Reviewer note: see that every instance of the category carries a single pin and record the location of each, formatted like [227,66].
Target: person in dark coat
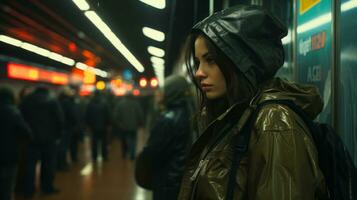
[71,128]
[129,117]
[159,167]
[98,121]
[13,129]
[43,113]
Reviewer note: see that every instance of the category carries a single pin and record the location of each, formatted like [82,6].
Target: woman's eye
[210,60]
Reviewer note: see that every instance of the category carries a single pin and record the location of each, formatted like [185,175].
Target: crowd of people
[46,126]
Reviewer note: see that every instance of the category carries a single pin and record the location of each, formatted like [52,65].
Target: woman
[236,53]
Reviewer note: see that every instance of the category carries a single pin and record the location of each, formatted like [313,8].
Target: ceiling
[62,28]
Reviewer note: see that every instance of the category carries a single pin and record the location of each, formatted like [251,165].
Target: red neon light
[24,72]
[136,92]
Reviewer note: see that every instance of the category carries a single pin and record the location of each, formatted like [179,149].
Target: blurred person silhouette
[71,126]
[250,147]
[98,120]
[159,167]
[129,117]
[25,90]
[44,114]
[13,130]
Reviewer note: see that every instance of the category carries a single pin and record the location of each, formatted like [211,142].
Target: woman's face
[208,74]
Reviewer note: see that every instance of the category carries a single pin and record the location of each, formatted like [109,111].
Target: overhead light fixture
[10,40]
[94,70]
[154,34]
[160,4]
[36,49]
[157,60]
[156,51]
[158,66]
[81,4]
[107,32]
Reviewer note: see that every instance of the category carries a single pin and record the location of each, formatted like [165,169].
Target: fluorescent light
[158,66]
[156,60]
[81,66]
[55,56]
[154,34]
[160,4]
[349,5]
[104,28]
[10,40]
[96,71]
[156,51]
[67,61]
[323,19]
[35,49]
[81,4]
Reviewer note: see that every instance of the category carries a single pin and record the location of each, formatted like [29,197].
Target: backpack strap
[241,140]
[240,148]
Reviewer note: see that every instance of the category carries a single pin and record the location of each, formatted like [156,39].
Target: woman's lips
[206,87]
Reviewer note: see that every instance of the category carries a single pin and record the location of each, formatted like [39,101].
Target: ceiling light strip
[36,49]
[96,71]
[154,34]
[107,32]
[156,51]
[52,55]
[81,4]
[160,4]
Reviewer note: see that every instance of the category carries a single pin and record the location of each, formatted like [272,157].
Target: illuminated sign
[312,43]
[89,77]
[24,72]
[306,5]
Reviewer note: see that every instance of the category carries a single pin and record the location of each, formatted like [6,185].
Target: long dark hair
[238,88]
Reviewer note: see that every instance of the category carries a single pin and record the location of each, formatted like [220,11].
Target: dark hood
[250,37]
[176,88]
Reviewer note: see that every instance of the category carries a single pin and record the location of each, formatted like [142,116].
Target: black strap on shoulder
[241,141]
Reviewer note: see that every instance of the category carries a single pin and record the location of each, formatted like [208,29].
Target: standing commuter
[129,118]
[98,121]
[13,130]
[160,165]
[43,113]
[236,53]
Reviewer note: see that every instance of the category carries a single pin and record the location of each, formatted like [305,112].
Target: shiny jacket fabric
[281,162]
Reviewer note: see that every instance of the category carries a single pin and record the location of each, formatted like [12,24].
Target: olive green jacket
[281,162]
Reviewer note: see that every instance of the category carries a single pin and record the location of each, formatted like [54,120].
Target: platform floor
[110,180]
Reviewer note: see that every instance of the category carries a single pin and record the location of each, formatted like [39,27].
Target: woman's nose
[200,73]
